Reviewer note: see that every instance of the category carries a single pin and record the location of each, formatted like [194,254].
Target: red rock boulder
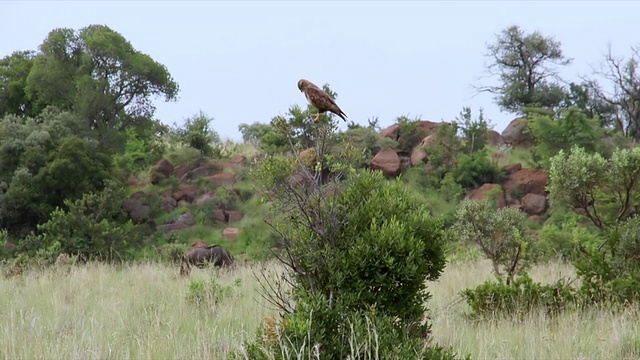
[222,179]
[525,181]
[511,168]
[517,134]
[161,170]
[185,192]
[237,161]
[534,204]
[419,155]
[388,161]
[391,132]
[495,139]
[427,127]
[231,233]
[492,191]
[204,170]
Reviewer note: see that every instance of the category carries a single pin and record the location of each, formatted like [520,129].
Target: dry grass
[142,312]
[593,334]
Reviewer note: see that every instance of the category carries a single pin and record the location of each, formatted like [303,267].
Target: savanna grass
[139,311]
[143,311]
[598,333]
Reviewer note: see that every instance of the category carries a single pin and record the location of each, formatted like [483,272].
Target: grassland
[146,311]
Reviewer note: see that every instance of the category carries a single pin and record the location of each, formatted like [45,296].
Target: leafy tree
[14,70]
[372,124]
[446,147]
[409,135]
[623,77]
[253,133]
[97,73]
[585,97]
[475,134]
[143,147]
[571,127]
[500,233]
[94,226]
[368,140]
[198,134]
[355,246]
[73,168]
[42,164]
[605,191]
[525,63]
[471,171]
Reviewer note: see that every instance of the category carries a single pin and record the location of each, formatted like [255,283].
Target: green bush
[182,155]
[471,171]
[368,140]
[409,135]
[571,127]
[610,272]
[475,133]
[383,245]
[209,293]
[566,241]
[321,331]
[500,233]
[497,299]
[95,226]
[172,252]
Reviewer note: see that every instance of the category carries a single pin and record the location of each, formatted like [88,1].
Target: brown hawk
[319,99]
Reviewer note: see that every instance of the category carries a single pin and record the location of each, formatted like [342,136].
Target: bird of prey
[319,99]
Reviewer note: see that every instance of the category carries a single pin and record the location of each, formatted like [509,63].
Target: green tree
[198,134]
[471,171]
[253,133]
[72,169]
[475,134]
[623,78]
[585,97]
[500,233]
[143,147]
[97,73]
[356,246]
[14,70]
[367,140]
[570,127]
[372,124]
[94,226]
[605,192]
[409,135]
[525,65]
[41,164]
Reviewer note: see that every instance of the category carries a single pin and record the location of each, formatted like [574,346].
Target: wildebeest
[200,254]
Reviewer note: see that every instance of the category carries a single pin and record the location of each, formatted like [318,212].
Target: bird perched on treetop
[320,100]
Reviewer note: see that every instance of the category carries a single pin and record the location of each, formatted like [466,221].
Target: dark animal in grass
[200,256]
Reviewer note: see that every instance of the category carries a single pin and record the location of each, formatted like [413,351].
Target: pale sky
[239,61]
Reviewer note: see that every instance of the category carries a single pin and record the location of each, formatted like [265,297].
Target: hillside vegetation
[367,227]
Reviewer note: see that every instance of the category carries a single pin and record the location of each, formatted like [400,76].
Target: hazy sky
[239,61]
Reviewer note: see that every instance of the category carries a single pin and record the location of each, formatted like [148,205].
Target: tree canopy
[526,65]
[97,73]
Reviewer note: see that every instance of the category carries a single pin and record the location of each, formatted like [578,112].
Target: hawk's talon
[315,118]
